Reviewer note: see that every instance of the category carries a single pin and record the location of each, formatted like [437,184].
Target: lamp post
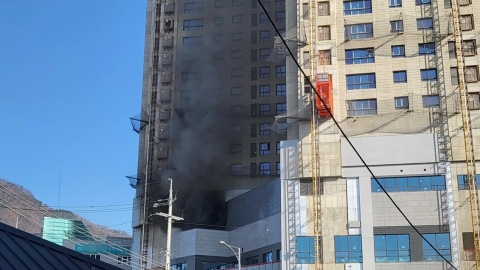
[238,255]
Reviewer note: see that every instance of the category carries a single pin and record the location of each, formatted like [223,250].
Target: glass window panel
[390,184]
[391,243]
[413,184]
[402,184]
[380,243]
[438,182]
[341,243]
[425,183]
[443,240]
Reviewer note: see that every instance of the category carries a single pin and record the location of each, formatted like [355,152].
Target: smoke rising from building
[200,132]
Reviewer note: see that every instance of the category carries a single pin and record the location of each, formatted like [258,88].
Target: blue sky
[70,77]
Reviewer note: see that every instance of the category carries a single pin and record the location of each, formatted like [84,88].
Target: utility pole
[170,218]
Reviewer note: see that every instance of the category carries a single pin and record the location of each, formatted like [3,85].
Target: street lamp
[238,255]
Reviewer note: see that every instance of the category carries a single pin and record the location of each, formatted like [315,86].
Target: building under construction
[398,82]
[378,168]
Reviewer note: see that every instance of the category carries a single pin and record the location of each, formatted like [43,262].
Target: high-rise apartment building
[388,72]
[212,87]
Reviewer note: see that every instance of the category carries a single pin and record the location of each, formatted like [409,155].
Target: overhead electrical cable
[348,140]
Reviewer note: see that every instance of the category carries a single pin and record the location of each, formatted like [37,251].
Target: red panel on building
[324,87]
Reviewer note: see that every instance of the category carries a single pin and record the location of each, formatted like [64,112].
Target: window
[359,56]
[192,41]
[218,20]
[235,149]
[218,3]
[95,256]
[237,3]
[236,110]
[361,107]
[280,17]
[400,76]
[401,103]
[264,90]
[251,260]
[264,109]
[452,54]
[264,148]
[263,18]
[235,168]
[281,108]
[279,2]
[395,3]
[236,128]
[463,180]
[358,31]
[305,250]
[422,2]
[192,7]
[464,2]
[264,168]
[324,32]
[278,168]
[281,89]
[454,75]
[469,48]
[237,19]
[411,183]
[348,249]
[264,35]
[305,11]
[279,254]
[180,266]
[424,24]
[188,60]
[123,260]
[265,129]
[357,7]
[429,74]
[237,36]
[281,71]
[468,246]
[189,76]
[218,38]
[398,51]
[430,101]
[236,72]
[392,248]
[264,53]
[264,72]
[361,81]
[426,48]
[325,56]
[471,74]
[280,52]
[237,54]
[466,22]
[473,101]
[396,26]
[217,56]
[195,24]
[278,148]
[268,257]
[236,91]
[323,8]
[441,242]
[185,96]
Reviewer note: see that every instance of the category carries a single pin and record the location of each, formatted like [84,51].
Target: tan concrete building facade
[396,98]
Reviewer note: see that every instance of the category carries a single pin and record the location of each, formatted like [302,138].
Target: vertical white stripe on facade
[353,204]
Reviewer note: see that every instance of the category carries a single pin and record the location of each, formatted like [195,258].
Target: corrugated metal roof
[22,251]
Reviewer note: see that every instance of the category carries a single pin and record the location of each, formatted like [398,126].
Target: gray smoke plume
[200,135]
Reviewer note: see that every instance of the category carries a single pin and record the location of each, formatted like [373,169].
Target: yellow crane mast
[317,218]
[467,131]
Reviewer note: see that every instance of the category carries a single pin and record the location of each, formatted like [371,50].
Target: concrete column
[366,214]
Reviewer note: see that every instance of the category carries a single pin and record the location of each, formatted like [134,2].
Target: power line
[347,139]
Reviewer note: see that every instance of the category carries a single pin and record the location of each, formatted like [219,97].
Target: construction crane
[467,131]
[317,217]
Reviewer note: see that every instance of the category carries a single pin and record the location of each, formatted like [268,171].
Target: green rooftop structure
[58,229]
